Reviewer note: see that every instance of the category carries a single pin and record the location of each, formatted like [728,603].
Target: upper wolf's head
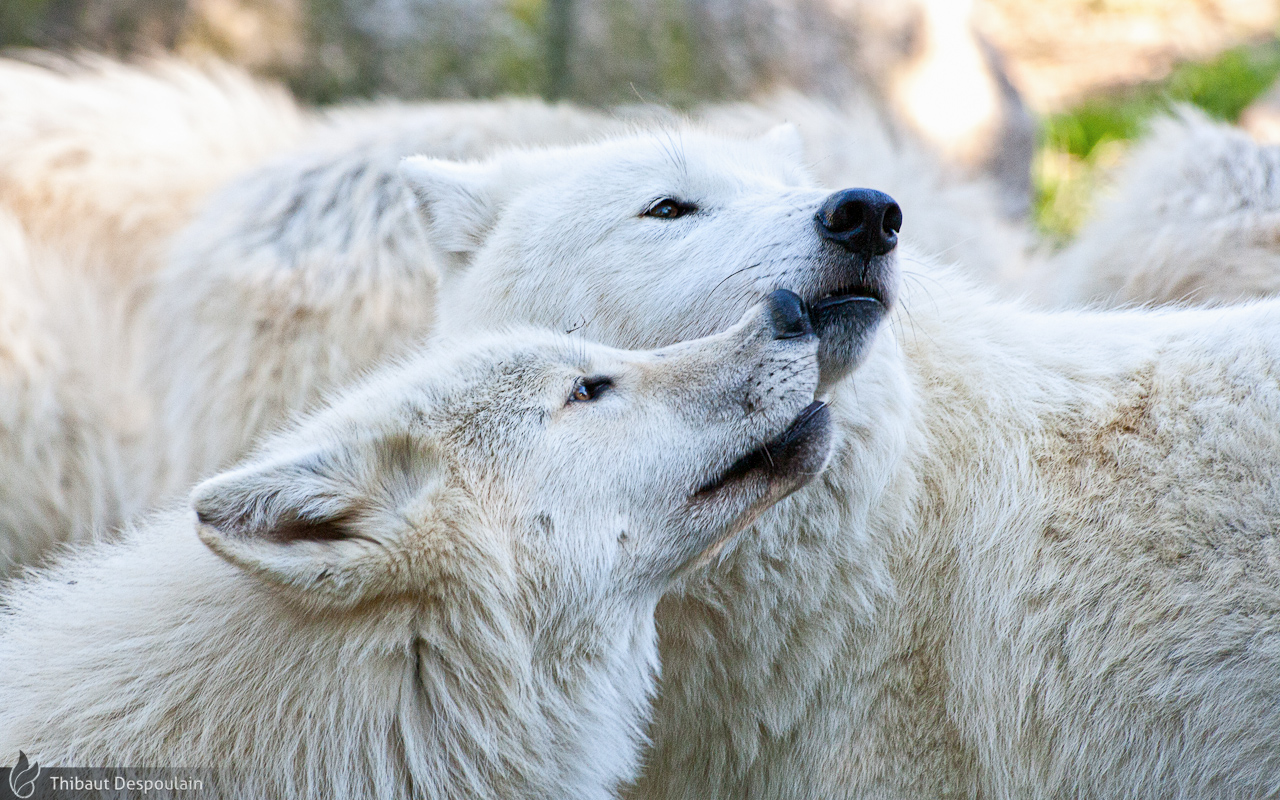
[643,241]
[576,471]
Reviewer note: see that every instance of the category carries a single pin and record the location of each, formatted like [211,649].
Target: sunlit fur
[1043,562]
[100,164]
[105,161]
[1194,218]
[442,585]
[72,410]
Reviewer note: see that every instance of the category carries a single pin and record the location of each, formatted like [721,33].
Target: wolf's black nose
[788,314]
[860,220]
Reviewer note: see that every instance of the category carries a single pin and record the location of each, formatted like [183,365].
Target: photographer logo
[22,778]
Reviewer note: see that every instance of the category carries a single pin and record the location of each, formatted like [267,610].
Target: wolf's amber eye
[669,208]
[588,389]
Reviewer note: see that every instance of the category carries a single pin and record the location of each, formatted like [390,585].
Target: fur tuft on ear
[456,198]
[785,139]
[326,521]
[282,504]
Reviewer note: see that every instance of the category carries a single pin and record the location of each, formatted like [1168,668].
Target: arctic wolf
[1044,559]
[442,585]
[1195,219]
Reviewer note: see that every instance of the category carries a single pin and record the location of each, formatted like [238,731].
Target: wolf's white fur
[100,163]
[1043,563]
[1195,218]
[72,411]
[106,161]
[443,585]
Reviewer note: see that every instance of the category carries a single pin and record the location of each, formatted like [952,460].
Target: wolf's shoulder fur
[1036,530]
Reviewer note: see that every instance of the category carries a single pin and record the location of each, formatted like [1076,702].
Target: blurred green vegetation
[1079,146]
[648,50]
[342,60]
[131,26]
[17,19]
[599,52]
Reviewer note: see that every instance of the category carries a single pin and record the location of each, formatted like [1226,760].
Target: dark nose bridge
[863,221]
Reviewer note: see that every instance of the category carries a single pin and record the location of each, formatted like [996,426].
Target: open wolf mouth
[791,456]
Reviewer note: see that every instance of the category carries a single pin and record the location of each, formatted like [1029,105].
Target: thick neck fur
[154,652]
[871,622]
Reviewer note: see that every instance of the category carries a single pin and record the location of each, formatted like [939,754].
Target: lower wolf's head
[530,466]
[648,240]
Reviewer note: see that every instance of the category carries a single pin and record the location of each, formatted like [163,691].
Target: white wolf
[1195,218]
[1044,560]
[443,585]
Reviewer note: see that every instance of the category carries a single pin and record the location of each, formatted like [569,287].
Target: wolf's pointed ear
[457,198]
[322,521]
[785,139]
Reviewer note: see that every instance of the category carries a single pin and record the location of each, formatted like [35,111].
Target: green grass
[1078,146]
